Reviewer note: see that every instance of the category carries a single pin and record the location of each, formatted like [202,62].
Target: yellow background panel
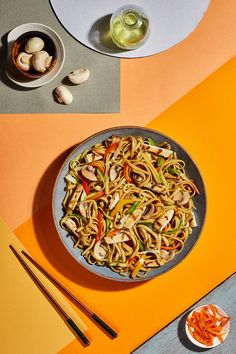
[29,323]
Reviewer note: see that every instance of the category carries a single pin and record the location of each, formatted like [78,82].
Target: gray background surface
[100,94]
[173,339]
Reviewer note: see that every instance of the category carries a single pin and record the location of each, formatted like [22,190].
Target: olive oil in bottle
[129,27]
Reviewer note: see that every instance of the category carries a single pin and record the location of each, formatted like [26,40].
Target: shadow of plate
[50,242]
[184,339]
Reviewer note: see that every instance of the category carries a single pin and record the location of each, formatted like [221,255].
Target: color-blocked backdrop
[32,148]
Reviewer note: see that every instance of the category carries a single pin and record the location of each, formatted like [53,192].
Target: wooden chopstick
[90,313]
[68,320]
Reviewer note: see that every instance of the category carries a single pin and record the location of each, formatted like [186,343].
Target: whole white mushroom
[63,95]
[78,76]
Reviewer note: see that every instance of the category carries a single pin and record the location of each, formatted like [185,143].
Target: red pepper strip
[98,165]
[170,247]
[99,234]
[126,172]
[85,185]
[111,148]
[96,196]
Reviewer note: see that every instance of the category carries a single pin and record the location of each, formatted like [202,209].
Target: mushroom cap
[113,172]
[23,61]
[41,61]
[185,199]
[34,44]
[181,197]
[100,252]
[149,210]
[88,172]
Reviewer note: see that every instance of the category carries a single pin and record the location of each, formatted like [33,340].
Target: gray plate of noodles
[129,203]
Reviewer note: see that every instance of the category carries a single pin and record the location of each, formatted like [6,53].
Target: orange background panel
[30,143]
[151,85]
[204,123]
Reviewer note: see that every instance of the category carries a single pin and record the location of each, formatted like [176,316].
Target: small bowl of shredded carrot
[207,326]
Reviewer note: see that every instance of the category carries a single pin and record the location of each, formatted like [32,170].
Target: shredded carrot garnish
[207,324]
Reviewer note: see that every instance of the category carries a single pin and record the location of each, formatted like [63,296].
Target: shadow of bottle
[99,36]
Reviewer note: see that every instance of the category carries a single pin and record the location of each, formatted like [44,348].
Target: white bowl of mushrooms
[37,51]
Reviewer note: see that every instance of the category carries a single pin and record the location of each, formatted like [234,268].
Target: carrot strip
[127,173]
[98,165]
[96,196]
[213,309]
[200,339]
[196,328]
[224,321]
[170,247]
[113,232]
[214,332]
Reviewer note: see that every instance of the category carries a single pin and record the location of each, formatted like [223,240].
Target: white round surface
[171,21]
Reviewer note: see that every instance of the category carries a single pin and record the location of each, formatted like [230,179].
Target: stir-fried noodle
[128,204]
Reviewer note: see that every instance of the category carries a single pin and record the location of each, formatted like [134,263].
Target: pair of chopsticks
[64,315]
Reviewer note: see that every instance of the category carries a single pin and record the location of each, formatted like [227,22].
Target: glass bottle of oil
[129,27]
